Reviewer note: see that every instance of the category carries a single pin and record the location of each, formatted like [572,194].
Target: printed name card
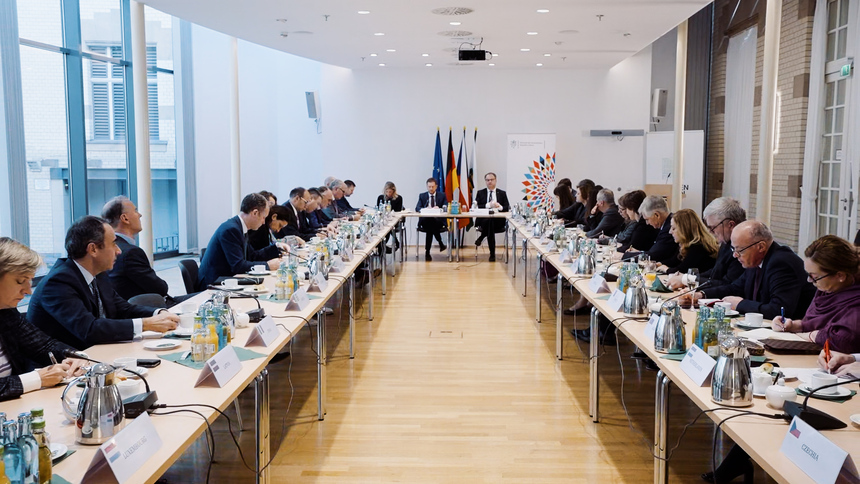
[299,300]
[598,284]
[319,284]
[616,300]
[120,457]
[651,327]
[220,369]
[346,255]
[551,246]
[816,455]
[698,365]
[264,334]
[565,257]
[337,264]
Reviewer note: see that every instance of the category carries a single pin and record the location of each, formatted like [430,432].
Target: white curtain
[738,131]
[852,119]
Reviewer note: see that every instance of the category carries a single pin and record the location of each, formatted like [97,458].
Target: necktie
[245,247]
[432,199]
[758,274]
[94,288]
[491,196]
[298,220]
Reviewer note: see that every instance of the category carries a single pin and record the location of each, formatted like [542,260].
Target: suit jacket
[642,238]
[26,348]
[573,215]
[132,275]
[334,210]
[297,225]
[726,269]
[64,307]
[344,205]
[664,249]
[396,202]
[610,224]
[322,218]
[432,224]
[492,225]
[783,285]
[697,258]
[261,238]
[228,253]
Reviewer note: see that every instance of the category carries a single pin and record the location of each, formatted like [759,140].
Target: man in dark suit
[76,302]
[131,274]
[326,199]
[343,203]
[774,277]
[612,222]
[494,199]
[433,227]
[228,252]
[297,222]
[656,213]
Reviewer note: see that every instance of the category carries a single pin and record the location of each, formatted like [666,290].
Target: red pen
[827,354]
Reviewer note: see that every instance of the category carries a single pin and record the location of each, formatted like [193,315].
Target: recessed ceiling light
[379,34]
[454,23]
[381,65]
[425,55]
[363,12]
[539,65]
[542,10]
[495,55]
[531,33]
[547,55]
[372,55]
[491,65]
[282,20]
[428,65]
[524,50]
[390,50]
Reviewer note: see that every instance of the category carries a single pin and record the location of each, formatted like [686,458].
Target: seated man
[433,227]
[656,214]
[228,252]
[76,302]
[612,222]
[493,199]
[343,203]
[338,191]
[773,279]
[132,274]
[311,209]
[326,199]
[297,223]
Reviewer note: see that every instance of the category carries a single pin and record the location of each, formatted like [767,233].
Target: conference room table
[453,235]
[760,437]
[174,383]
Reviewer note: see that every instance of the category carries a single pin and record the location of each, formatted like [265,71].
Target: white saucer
[138,369]
[856,419]
[256,290]
[161,345]
[259,274]
[732,313]
[840,392]
[805,375]
[180,331]
[760,395]
[741,323]
[58,450]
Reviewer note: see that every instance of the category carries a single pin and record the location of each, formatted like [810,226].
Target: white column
[773,20]
[141,125]
[680,97]
[235,158]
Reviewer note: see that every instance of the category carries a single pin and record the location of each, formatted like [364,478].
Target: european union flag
[438,169]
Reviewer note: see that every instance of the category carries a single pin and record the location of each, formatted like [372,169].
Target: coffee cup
[188,307]
[725,305]
[125,362]
[259,268]
[230,283]
[819,379]
[761,381]
[754,319]
[186,320]
[129,388]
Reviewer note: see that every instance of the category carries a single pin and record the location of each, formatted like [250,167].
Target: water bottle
[29,449]
[13,458]
[45,465]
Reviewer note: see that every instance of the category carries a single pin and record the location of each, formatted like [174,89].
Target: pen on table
[53,360]
[827,354]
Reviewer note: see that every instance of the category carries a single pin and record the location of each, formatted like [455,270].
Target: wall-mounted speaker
[658,103]
[313,99]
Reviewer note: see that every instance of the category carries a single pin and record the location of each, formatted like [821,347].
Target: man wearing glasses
[297,221]
[773,276]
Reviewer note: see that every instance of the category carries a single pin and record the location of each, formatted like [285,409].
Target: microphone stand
[815,418]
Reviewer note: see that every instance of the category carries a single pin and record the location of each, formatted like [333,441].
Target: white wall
[379,124]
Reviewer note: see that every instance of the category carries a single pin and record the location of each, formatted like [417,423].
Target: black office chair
[188,268]
[151,300]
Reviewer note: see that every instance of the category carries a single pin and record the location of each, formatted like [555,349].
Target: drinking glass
[693,279]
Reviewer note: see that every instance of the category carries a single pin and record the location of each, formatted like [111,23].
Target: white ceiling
[571,32]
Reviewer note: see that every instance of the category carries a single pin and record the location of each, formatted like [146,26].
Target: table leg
[261,424]
[514,255]
[661,428]
[525,266]
[537,289]
[594,388]
[351,295]
[457,237]
[559,330]
[370,299]
[402,227]
[507,256]
[384,268]
[321,364]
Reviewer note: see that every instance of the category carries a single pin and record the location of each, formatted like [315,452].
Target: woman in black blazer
[389,194]
[642,235]
[24,347]
[698,247]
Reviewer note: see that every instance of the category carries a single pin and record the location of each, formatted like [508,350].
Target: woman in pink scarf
[833,266]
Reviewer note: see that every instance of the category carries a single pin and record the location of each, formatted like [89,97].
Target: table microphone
[815,418]
[688,291]
[133,405]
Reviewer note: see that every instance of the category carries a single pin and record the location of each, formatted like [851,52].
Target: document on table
[765,333]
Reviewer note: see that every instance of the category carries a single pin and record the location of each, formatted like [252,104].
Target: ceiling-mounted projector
[472,55]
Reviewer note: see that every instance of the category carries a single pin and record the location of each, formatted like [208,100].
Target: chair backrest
[188,268]
[151,300]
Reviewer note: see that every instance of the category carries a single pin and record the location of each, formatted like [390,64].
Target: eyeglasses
[741,251]
[303,200]
[715,227]
[814,279]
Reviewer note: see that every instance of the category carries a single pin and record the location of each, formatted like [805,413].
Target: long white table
[453,235]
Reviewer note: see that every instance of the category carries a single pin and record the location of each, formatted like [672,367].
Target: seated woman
[567,206]
[841,364]
[389,194]
[697,247]
[593,216]
[265,235]
[641,235]
[577,213]
[22,345]
[833,265]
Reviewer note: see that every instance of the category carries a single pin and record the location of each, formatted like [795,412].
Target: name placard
[598,284]
[220,369]
[120,457]
[616,300]
[264,334]
[565,257]
[551,246]
[337,264]
[319,284]
[651,327]
[698,365]
[298,301]
[346,255]
[815,454]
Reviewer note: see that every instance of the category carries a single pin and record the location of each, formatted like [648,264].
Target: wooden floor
[454,381]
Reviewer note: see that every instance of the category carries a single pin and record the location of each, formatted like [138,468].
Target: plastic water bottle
[13,458]
[29,449]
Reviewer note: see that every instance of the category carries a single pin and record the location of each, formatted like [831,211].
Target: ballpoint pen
[782,315]
[51,356]
[827,354]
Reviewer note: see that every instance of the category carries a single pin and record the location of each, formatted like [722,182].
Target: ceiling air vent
[452,11]
[455,33]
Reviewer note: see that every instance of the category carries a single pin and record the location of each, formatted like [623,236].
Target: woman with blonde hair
[24,347]
[697,246]
[389,194]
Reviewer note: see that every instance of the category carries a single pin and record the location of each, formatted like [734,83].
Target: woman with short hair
[641,235]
